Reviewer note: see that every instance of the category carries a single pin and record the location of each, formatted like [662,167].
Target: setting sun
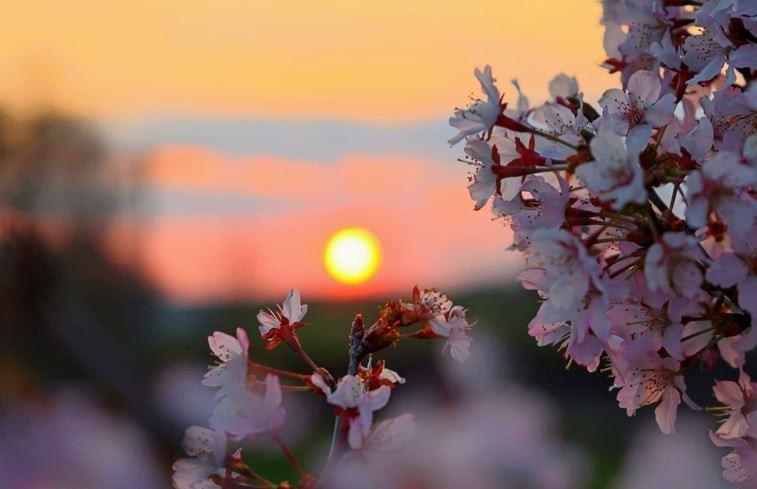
[352,255]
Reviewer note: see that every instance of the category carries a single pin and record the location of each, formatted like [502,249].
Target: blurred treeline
[69,313]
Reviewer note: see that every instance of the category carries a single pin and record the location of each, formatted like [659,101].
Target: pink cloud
[419,210]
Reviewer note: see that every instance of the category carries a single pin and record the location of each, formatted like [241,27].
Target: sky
[263,127]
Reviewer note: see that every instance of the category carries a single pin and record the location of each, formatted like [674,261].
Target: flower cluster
[249,394]
[636,217]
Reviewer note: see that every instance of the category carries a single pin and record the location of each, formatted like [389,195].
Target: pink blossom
[551,327]
[208,451]
[672,266]
[563,86]
[638,106]
[243,413]
[716,17]
[545,208]
[485,181]
[350,393]
[558,121]
[481,115]
[574,312]
[739,466]
[737,269]
[569,271]
[722,186]
[665,52]
[317,380]
[231,373]
[389,435]
[644,328]
[615,174]
[226,347]
[698,142]
[280,325]
[631,28]
[390,375]
[453,327]
[650,379]
[704,56]
[546,332]
[290,312]
[740,400]
[733,113]
[428,303]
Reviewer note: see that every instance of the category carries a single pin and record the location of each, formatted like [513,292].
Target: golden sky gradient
[381,61]
[267,126]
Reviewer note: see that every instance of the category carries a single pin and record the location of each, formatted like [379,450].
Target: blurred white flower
[69,442]
[684,460]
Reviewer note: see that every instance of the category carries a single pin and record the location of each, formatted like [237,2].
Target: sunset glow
[286,59]
[352,255]
[244,135]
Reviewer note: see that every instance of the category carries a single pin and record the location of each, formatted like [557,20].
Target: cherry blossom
[638,225]
[389,435]
[563,86]
[645,329]
[698,142]
[453,327]
[243,412]
[231,373]
[546,208]
[378,375]
[559,121]
[481,115]
[722,186]
[738,269]
[357,407]
[738,398]
[639,106]
[485,181]
[672,266]
[650,379]
[280,325]
[631,28]
[208,451]
[615,174]
[740,465]
[569,271]
[580,344]
[733,114]
[705,56]
[428,303]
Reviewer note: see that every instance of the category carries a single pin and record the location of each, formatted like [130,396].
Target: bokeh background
[167,168]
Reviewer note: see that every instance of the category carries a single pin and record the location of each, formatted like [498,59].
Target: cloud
[419,210]
[319,139]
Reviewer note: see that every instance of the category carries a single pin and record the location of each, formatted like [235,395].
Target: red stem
[288,454]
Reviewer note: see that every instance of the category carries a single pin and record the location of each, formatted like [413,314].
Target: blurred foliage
[70,314]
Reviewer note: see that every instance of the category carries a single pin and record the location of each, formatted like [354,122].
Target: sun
[352,255]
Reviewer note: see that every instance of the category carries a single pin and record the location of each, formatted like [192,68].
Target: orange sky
[366,85]
[389,60]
